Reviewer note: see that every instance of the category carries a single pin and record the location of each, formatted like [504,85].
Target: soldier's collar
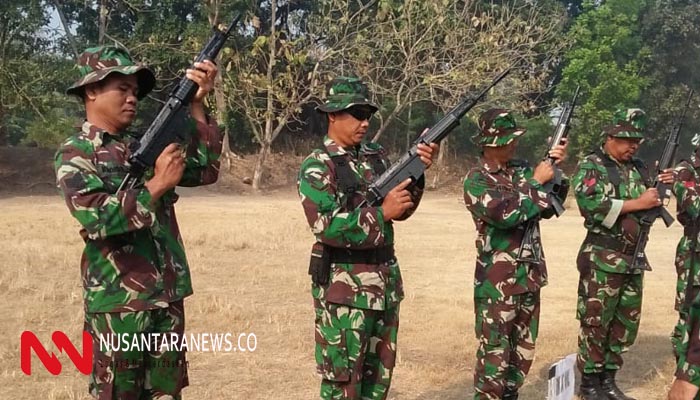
[98,135]
[334,149]
[492,166]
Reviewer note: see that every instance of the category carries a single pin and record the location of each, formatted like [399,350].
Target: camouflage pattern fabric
[595,196]
[370,292]
[134,258]
[506,292]
[609,293]
[507,331]
[627,123]
[498,128]
[500,201]
[609,308]
[355,350]
[133,374]
[95,63]
[687,348]
[345,92]
[685,333]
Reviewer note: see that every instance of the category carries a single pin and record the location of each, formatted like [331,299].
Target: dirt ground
[249,258]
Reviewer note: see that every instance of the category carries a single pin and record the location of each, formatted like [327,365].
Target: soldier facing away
[356,281]
[610,185]
[503,195]
[134,270]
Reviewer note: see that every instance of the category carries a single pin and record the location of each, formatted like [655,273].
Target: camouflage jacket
[336,221]
[688,209]
[500,201]
[600,207]
[134,257]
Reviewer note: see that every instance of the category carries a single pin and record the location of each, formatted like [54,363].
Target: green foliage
[607,60]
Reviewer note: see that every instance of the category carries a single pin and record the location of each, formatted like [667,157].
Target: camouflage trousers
[355,350]
[127,374]
[609,310]
[507,331]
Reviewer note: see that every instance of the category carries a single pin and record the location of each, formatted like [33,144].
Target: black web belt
[371,256]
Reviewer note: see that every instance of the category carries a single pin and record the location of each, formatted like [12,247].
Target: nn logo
[29,341]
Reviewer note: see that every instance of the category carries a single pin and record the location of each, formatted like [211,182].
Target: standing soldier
[503,195]
[356,282]
[134,270]
[610,185]
[685,339]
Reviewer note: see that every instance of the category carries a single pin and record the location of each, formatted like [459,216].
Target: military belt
[610,243]
[690,231]
[379,255]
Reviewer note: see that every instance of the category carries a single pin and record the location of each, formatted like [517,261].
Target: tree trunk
[260,164]
[64,22]
[219,98]
[440,163]
[266,143]
[103,22]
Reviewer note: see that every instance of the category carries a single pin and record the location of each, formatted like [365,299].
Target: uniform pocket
[332,354]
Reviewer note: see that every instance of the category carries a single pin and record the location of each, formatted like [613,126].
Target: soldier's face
[622,149]
[114,100]
[347,130]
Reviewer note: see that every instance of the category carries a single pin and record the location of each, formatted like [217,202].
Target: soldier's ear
[90,93]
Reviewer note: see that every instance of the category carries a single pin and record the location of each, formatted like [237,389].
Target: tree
[607,60]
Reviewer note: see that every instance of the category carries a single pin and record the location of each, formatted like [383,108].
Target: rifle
[647,217]
[168,126]
[410,165]
[530,242]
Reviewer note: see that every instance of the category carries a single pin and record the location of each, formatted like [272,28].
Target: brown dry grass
[249,258]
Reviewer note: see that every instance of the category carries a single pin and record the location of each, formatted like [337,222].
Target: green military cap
[498,128]
[345,92]
[627,123]
[97,62]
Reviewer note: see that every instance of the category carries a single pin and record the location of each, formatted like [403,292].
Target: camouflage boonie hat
[627,123]
[97,62]
[498,128]
[345,92]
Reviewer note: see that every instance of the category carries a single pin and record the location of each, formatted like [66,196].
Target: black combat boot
[510,394]
[590,388]
[607,383]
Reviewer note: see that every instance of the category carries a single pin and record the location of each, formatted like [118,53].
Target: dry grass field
[249,258]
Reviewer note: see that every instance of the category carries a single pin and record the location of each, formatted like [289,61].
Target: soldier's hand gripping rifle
[647,217]
[410,165]
[530,250]
[169,125]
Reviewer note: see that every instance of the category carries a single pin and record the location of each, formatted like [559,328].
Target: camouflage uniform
[609,292]
[357,310]
[685,335]
[502,199]
[134,269]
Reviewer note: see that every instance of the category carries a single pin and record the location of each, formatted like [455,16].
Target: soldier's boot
[590,388]
[607,383]
[510,394]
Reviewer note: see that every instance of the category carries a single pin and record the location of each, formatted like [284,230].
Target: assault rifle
[647,217]
[169,125]
[530,243]
[410,165]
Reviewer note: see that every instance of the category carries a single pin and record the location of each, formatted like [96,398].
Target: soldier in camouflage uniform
[503,196]
[134,270]
[685,336]
[356,282]
[610,185]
